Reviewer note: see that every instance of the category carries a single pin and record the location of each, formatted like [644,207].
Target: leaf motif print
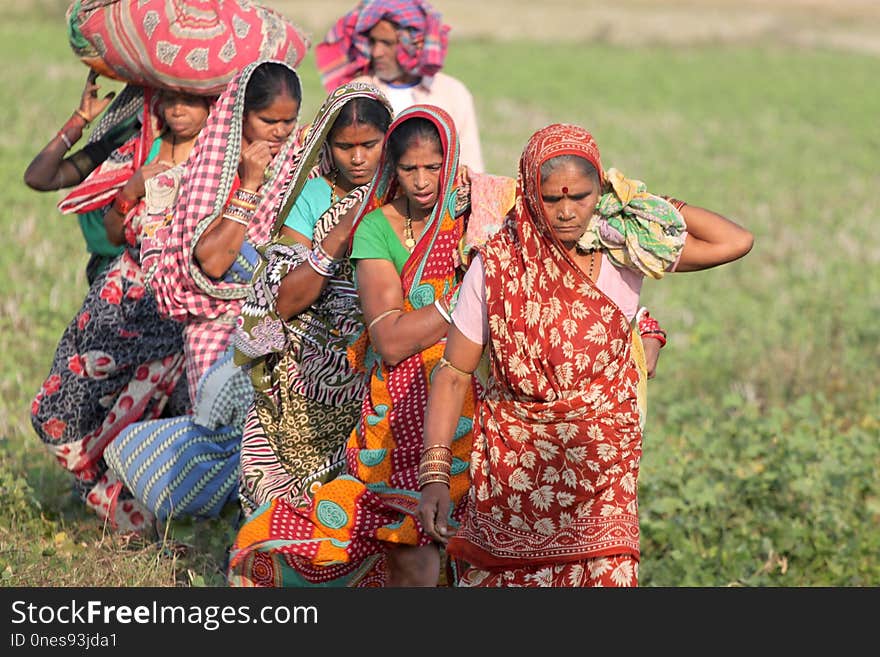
[551,312]
[566,431]
[565,499]
[623,574]
[609,510]
[597,334]
[577,309]
[550,475]
[568,281]
[576,454]
[510,459]
[576,575]
[582,361]
[569,478]
[546,449]
[520,480]
[494,454]
[518,523]
[528,460]
[607,452]
[498,326]
[568,352]
[532,313]
[545,526]
[628,483]
[585,509]
[514,503]
[542,497]
[600,363]
[483,492]
[555,337]
[565,373]
[607,313]
[565,519]
[518,433]
[569,327]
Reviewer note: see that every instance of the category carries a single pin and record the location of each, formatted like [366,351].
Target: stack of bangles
[435,466]
[676,203]
[241,206]
[650,327]
[322,262]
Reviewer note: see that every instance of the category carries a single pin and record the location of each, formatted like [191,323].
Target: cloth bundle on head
[181,288]
[195,46]
[344,54]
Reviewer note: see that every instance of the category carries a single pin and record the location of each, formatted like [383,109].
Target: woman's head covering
[635,228]
[180,286]
[260,331]
[344,53]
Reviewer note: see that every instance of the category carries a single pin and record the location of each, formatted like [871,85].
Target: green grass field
[761,450]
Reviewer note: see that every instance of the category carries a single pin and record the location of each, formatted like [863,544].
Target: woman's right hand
[136,185]
[254,160]
[90,105]
[434,510]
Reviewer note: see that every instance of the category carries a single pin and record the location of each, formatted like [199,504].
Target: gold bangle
[382,316]
[436,445]
[445,363]
[242,204]
[83,116]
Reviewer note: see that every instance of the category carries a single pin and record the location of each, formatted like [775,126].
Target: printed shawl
[361,514]
[182,290]
[306,392]
[195,46]
[344,54]
[557,439]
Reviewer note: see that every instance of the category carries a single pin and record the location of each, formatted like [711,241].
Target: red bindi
[565,190]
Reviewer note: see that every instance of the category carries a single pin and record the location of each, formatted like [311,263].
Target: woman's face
[418,172]
[356,151]
[569,197]
[271,124]
[184,114]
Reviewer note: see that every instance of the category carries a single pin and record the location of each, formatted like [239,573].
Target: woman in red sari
[557,437]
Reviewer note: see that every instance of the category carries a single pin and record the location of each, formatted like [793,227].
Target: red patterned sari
[557,440]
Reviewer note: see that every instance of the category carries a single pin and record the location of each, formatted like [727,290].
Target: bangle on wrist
[83,116]
[124,205]
[67,143]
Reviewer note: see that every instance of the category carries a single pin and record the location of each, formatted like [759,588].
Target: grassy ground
[761,449]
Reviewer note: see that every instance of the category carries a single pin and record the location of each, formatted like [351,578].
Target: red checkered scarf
[344,54]
[182,290]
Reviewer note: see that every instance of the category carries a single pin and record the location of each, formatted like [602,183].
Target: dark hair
[584,166]
[407,133]
[269,81]
[363,111]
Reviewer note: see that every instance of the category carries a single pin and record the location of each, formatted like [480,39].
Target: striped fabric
[148,455]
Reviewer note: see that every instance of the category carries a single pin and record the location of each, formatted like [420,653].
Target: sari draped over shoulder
[118,362]
[188,465]
[557,438]
[340,539]
[306,393]
[183,291]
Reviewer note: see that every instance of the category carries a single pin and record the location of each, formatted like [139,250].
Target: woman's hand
[135,187]
[433,511]
[90,105]
[254,160]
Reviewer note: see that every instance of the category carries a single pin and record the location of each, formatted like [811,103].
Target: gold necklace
[409,240]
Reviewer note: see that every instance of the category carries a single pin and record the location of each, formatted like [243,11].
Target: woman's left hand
[433,511]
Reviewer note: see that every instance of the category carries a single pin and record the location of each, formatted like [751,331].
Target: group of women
[381,391]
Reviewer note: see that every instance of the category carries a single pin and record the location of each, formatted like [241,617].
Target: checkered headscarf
[182,290]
